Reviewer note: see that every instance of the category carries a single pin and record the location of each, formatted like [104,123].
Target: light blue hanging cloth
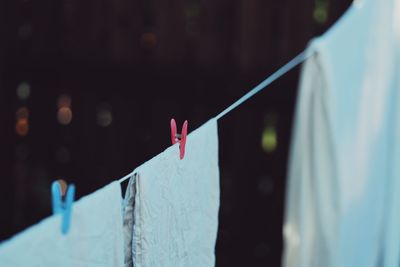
[172,215]
[95,237]
[343,190]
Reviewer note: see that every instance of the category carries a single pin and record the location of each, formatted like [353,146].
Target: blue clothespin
[63,207]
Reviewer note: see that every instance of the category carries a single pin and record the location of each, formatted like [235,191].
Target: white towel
[176,204]
[343,186]
[95,237]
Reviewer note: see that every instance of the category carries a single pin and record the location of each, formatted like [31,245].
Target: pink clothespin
[181,138]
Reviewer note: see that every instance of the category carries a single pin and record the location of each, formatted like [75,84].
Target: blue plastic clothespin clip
[63,207]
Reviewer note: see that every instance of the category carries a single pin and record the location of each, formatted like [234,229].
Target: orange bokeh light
[22,127]
[63,185]
[64,101]
[64,115]
[148,40]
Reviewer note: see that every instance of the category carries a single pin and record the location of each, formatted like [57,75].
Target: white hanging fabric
[171,205]
[344,174]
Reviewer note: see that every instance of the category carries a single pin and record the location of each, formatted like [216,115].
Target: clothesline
[276,75]
[273,77]
[126,177]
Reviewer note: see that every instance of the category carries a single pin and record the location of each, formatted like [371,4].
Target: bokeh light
[63,186]
[64,101]
[269,140]
[148,40]
[23,91]
[64,115]
[22,127]
[22,113]
[320,12]
[104,115]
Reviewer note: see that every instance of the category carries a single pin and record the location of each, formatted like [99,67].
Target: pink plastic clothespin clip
[181,138]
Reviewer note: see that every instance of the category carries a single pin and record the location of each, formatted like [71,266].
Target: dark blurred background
[87,89]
